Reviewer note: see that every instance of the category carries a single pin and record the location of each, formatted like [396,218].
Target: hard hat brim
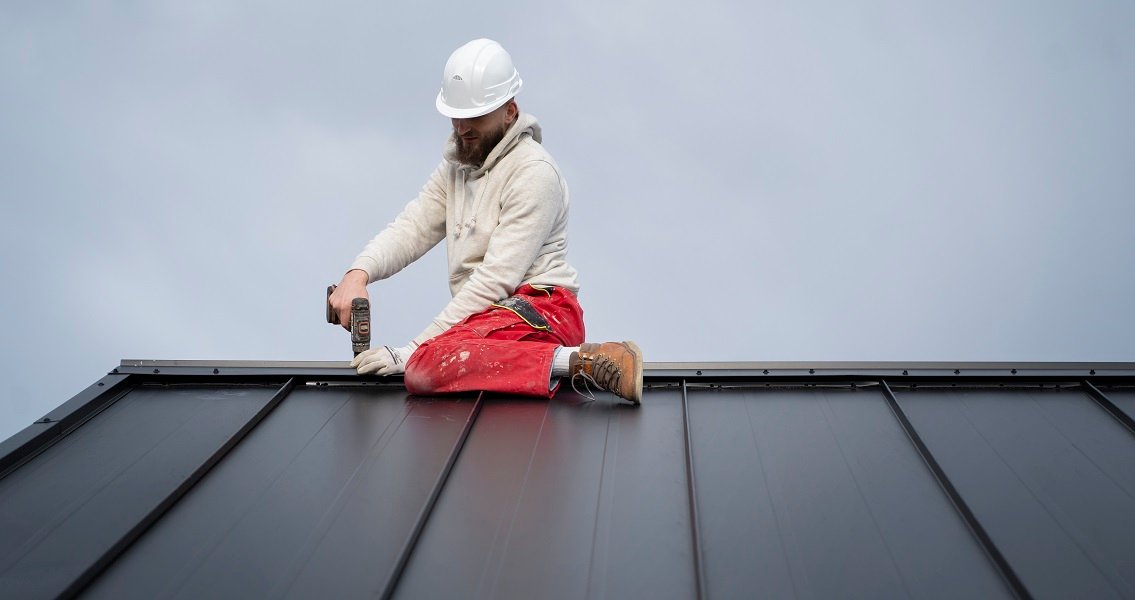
[468,113]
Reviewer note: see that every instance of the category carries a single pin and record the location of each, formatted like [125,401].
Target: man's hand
[384,360]
[353,285]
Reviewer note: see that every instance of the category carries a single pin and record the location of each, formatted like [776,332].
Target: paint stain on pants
[497,351]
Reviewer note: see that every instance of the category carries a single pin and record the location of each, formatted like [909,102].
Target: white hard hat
[479,78]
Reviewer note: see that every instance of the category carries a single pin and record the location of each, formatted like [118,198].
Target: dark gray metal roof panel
[562,499]
[57,423]
[316,502]
[818,493]
[237,479]
[1124,399]
[1049,474]
[67,508]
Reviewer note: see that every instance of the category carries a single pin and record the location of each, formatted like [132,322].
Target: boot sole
[638,372]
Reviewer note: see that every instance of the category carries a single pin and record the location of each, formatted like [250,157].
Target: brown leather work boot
[613,366]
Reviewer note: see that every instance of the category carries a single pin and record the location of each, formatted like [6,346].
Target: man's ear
[511,112]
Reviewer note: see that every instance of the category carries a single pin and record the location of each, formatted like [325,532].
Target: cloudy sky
[749,180]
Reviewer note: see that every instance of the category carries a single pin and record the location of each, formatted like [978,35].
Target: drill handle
[332,316]
[360,321]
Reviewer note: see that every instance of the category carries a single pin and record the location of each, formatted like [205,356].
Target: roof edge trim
[671,370]
[664,366]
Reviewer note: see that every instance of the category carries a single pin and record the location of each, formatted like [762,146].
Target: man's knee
[416,377]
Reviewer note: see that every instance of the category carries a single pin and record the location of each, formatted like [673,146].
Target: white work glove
[384,360]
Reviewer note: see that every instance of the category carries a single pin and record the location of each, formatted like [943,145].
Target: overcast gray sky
[877,180]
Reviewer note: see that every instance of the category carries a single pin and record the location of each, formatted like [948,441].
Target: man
[513,325]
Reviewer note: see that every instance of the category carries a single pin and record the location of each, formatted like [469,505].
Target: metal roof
[235,479]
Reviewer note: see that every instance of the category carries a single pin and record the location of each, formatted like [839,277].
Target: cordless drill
[360,321]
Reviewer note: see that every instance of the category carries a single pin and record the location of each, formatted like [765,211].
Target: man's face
[477,137]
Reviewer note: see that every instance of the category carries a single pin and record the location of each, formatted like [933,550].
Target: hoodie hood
[525,126]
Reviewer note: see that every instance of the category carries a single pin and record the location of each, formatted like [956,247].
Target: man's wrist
[356,276]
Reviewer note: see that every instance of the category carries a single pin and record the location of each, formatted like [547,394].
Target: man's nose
[461,126]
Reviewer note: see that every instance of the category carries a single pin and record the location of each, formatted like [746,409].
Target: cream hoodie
[505,225]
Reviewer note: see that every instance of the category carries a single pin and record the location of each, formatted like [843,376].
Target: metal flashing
[674,371]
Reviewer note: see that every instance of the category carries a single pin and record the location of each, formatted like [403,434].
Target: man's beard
[475,154]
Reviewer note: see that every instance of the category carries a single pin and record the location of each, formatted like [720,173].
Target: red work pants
[498,351]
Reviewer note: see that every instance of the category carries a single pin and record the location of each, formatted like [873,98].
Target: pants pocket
[495,319]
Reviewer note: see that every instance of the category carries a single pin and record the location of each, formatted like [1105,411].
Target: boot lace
[608,375]
[586,393]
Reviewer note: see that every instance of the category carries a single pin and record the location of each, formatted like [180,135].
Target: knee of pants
[422,376]
[417,378]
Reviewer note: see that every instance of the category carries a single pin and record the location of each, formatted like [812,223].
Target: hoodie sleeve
[419,227]
[532,202]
